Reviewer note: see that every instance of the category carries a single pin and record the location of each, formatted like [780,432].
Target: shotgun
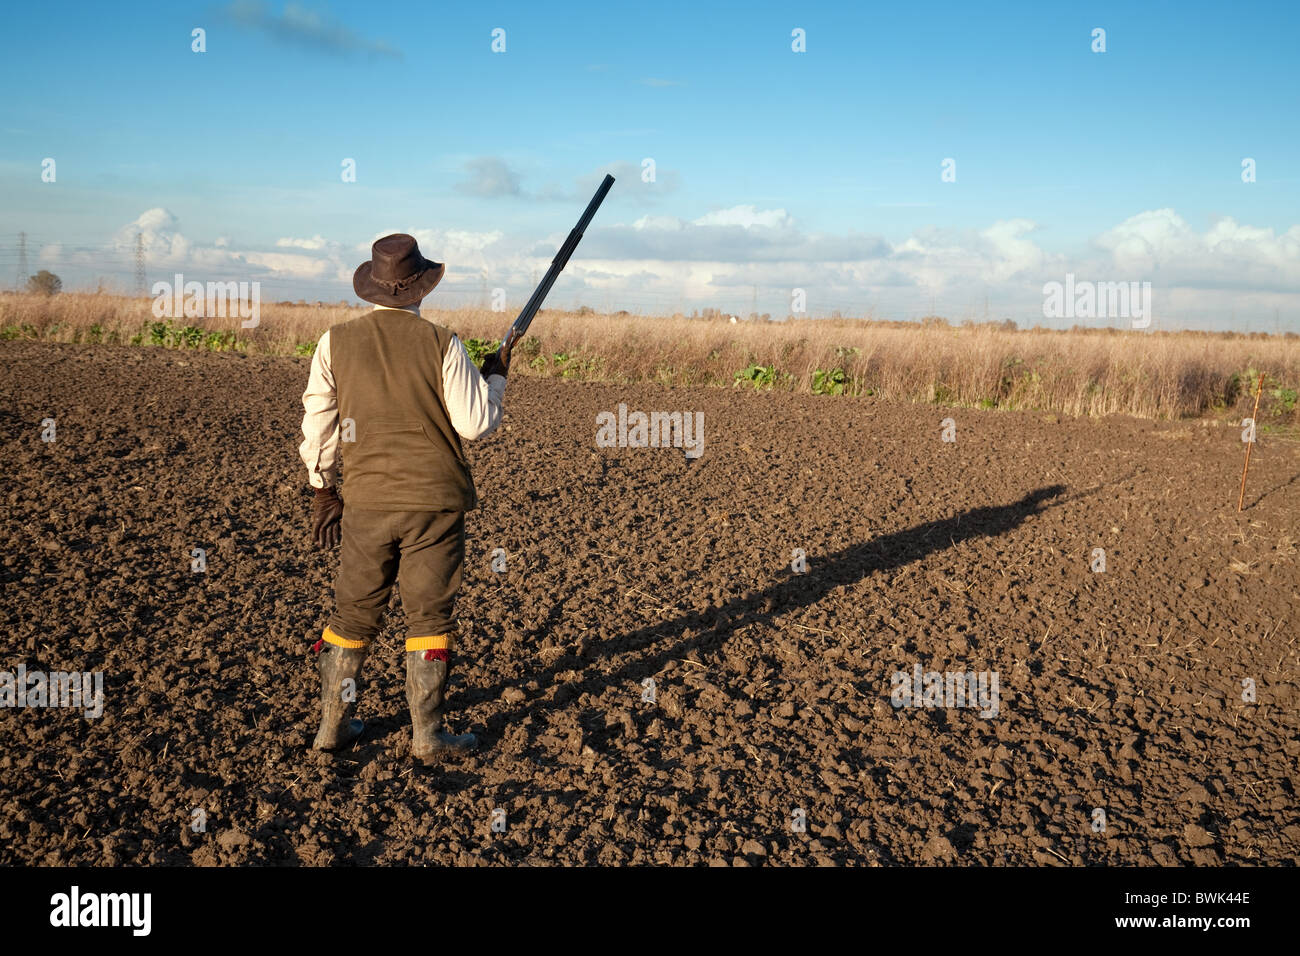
[525,318]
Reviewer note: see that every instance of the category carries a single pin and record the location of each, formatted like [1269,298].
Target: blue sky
[774,169]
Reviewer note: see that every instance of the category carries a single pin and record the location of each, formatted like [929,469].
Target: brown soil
[1120,690]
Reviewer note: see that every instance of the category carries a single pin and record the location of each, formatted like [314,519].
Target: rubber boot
[337,726]
[426,680]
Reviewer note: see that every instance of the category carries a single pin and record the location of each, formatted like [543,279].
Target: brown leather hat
[396,275]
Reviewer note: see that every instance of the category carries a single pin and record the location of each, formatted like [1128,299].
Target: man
[405,393]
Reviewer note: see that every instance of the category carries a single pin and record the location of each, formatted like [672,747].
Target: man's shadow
[710,628]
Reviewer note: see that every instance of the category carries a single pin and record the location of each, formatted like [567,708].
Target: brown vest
[407,456]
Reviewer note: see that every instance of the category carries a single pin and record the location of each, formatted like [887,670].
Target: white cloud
[660,223]
[1228,269]
[315,242]
[747,217]
[167,248]
[1227,255]
[738,234]
[720,257]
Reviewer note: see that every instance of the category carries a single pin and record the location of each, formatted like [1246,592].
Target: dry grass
[1079,372]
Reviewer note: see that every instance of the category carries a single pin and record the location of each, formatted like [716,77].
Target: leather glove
[326,518]
[495,365]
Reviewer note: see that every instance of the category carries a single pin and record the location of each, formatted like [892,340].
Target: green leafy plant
[579,367]
[223,341]
[830,381]
[479,349]
[157,333]
[305,348]
[184,337]
[759,376]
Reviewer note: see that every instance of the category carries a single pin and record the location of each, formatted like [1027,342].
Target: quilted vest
[406,455]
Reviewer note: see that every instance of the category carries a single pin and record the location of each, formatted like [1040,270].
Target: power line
[22,261]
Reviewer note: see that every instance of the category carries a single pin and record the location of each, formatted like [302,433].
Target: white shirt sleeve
[320,421]
[473,404]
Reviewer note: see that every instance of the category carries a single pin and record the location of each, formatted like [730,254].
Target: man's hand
[326,516]
[496,364]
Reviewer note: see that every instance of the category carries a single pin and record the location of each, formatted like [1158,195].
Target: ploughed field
[1144,714]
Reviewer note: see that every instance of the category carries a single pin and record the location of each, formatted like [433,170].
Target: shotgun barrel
[525,317]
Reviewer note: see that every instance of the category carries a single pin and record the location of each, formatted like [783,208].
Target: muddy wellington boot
[337,727]
[426,679]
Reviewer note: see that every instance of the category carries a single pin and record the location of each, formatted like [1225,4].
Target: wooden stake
[1254,427]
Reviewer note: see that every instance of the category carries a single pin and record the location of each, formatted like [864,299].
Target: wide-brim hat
[397,274]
